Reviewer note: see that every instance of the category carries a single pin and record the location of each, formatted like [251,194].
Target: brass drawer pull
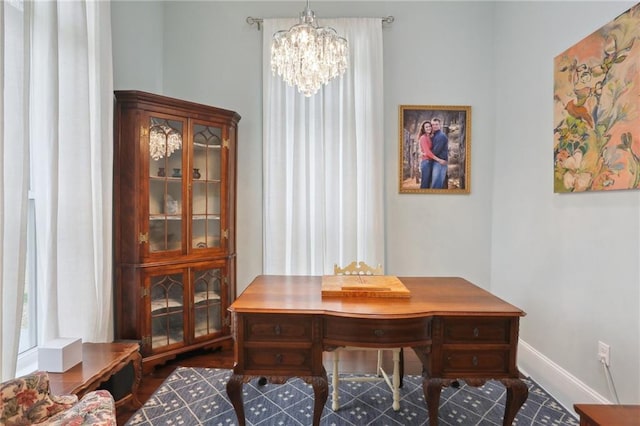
[476,332]
[474,361]
[378,332]
[278,358]
[277,330]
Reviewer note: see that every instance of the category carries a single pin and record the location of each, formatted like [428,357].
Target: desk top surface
[297,294]
[618,415]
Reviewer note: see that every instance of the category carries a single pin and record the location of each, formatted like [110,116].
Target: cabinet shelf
[203,330]
[163,340]
[202,296]
[170,305]
[205,217]
[202,145]
[166,305]
[165,217]
[177,179]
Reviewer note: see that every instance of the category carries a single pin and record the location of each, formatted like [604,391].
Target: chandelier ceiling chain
[308,56]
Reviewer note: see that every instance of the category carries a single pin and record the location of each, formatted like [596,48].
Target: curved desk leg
[432,389]
[234,391]
[517,393]
[320,386]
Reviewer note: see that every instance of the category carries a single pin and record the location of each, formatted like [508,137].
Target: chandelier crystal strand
[308,56]
[163,139]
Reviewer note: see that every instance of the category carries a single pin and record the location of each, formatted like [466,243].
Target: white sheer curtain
[68,97]
[14,184]
[323,160]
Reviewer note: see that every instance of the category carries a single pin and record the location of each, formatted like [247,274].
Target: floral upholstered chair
[27,400]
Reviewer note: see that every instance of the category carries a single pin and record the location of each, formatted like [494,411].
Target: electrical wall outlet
[604,353]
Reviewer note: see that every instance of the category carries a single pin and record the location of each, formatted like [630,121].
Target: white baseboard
[558,382]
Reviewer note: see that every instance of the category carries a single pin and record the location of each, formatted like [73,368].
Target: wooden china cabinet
[174,224]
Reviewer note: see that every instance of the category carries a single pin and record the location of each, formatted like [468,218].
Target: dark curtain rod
[258,21]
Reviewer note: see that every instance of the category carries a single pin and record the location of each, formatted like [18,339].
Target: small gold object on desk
[363,286]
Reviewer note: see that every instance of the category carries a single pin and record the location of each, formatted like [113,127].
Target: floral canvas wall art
[597,109]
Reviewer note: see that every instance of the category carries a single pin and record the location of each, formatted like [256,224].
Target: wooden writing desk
[605,415]
[100,361]
[281,326]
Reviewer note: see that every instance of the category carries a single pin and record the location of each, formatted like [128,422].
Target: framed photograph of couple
[435,149]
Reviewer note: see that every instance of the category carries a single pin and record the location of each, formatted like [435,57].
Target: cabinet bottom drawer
[277,359]
[460,361]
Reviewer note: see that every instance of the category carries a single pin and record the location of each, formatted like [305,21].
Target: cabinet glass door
[165,184]
[206,186]
[207,301]
[167,310]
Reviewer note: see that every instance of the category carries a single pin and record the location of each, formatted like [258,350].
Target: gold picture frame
[450,173]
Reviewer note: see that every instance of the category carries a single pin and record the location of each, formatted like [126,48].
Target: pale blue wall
[570,261]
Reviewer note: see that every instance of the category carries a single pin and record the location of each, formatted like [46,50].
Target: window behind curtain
[15,41]
[28,328]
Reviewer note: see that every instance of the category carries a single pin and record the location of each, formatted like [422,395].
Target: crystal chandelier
[163,139]
[308,56]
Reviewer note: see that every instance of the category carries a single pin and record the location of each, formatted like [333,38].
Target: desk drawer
[280,359]
[474,330]
[281,328]
[354,331]
[487,361]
